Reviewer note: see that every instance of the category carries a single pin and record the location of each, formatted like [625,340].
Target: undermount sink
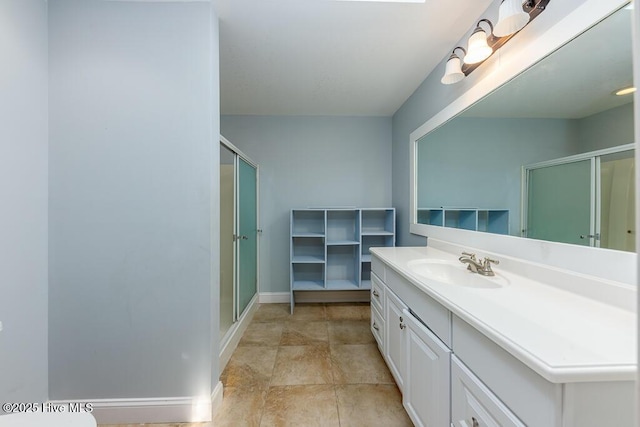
[455,273]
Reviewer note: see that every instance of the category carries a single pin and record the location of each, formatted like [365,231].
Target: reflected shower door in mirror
[584,200]
[469,171]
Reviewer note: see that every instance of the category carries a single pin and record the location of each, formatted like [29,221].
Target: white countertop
[560,334]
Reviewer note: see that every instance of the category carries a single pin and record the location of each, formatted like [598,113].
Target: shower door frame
[237,315]
[596,203]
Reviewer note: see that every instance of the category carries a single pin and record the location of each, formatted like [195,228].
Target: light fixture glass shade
[453,71]
[511,18]
[478,49]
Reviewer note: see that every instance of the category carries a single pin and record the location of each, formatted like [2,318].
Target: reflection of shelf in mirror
[365,284]
[366,258]
[342,243]
[475,219]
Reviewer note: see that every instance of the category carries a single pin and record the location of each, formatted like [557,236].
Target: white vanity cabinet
[395,337]
[426,384]
[417,358]
[453,373]
[377,311]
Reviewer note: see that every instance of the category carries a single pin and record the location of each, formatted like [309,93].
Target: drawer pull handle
[475,422]
[376,294]
[375,326]
[402,326]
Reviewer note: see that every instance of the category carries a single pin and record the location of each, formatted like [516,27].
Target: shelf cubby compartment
[374,241]
[343,227]
[431,216]
[307,250]
[343,267]
[378,222]
[365,275]
[308,222]
[307,276]
[494,221]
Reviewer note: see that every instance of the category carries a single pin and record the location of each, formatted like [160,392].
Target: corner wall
[23,200]
[133,158]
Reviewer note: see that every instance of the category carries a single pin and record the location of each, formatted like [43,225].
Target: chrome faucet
[483,268]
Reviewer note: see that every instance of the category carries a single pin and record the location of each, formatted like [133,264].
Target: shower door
[247,234]
[238,234]
[587,199]
[561,203]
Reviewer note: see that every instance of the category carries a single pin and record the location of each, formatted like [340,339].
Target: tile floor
[318,367]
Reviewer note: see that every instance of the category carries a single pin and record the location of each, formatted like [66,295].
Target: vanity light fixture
[453,71]
[478,49]
[513,16]
[624,91]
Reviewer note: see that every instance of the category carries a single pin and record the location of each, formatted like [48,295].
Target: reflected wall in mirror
[550,148]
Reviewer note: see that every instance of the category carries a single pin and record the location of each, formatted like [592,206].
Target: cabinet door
[426,386]
[473,404]
[395,327]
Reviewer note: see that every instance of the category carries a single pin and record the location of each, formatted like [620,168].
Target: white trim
[216,398]
[274,297]
[224,141]
[152,410]
[608,264]
[582,156]
[231,339]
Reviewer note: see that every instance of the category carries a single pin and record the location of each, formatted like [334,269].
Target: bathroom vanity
[532,345]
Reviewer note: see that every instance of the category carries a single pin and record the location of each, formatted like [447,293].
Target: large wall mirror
[549,155]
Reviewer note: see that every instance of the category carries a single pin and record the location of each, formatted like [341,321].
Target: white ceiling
[326,57]
[575,82]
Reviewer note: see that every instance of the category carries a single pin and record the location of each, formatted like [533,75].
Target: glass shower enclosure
[587,199]
[238,235]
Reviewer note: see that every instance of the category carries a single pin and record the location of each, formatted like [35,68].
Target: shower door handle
[589,236]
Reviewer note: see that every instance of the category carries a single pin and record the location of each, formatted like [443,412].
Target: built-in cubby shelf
[330,247]
[489,220]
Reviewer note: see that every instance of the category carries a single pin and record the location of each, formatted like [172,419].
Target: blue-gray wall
[133,156]
[23,200]
[432,96]
[310,162]
[606,129]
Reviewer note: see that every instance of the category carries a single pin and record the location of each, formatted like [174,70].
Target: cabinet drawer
[377,327]
[432,313]
[377,293]
[473,404]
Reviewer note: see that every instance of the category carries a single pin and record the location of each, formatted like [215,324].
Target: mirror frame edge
[607,264]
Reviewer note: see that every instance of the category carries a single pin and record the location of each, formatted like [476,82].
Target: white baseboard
[216,398]
[274,297]
[152,410]
[232,338]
